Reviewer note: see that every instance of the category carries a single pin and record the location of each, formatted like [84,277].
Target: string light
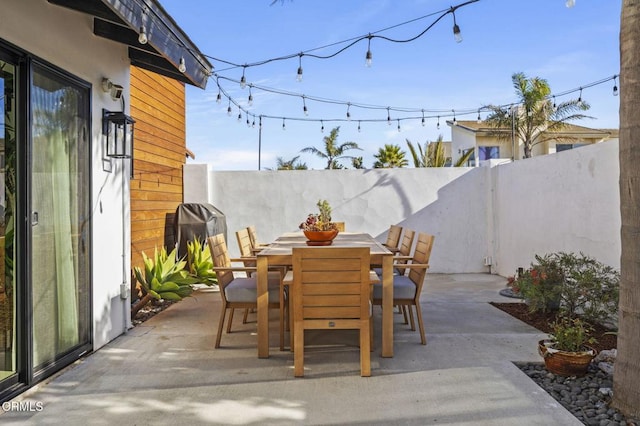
[479,118]
[455,123]
[142,37]
[219,97]
[182,67]
[250,99]
[438,125]
[423,123]
[239,115]
[398,125]
[304,107]
[243,79]
[253,123]
[358,126]
[299,74]
[580,103]
[555,107]
[388,116]
[283,126]
[456,29]
[248,123]
[321,126]
[369,56]
[260,122]
[348,113]
[615,86]
[229,108]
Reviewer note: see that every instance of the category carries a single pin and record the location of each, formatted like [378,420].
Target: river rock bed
[588,397]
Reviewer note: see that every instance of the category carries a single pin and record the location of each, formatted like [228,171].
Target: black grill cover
[197,220]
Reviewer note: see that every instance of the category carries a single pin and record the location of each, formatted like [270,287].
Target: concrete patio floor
[166,371]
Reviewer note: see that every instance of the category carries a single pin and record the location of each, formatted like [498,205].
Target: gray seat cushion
[244,290]
[403,288]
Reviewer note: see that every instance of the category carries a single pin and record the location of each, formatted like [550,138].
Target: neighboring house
[482,139]
[65,234]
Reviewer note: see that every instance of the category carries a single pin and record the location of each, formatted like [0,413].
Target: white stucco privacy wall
[567,201]
[449,203]
[73,48]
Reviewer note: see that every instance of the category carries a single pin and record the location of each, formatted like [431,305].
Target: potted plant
[567,351]
[318,228]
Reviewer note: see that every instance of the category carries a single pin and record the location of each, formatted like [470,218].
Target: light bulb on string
[250,98]
[253,123]
[388,117]
[438,124]
[479,118]
[580,103]
[283,126]
[243,79]
[358,126]
[299,74]
[321,126]
[615,86]
[304,106]
[142,37]
[219,97]
[348,113]
[423,122]
[369,56]
[554,106]
[229,108]
[239,115]
[260,122]
[182,66]
[455,122]
[457,35]
[398,125]
[570,3]
[248,122]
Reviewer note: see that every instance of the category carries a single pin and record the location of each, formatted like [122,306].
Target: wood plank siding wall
[158,106]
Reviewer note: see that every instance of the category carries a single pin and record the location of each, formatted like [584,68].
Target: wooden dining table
[279,253]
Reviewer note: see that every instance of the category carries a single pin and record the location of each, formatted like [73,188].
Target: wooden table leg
[263,307]
[387,306]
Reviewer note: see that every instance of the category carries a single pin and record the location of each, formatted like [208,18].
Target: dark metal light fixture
[118,128]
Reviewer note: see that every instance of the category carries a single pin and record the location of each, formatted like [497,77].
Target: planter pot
[565,363]
[320,238]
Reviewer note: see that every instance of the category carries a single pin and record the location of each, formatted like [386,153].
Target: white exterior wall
[28,24]
[461,140]
[567,201]
[449,203]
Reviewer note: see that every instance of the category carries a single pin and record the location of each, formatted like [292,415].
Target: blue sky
[569,47]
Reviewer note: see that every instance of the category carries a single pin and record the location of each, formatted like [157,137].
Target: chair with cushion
[331,289]
[241,292]
[407,288]
[393,238]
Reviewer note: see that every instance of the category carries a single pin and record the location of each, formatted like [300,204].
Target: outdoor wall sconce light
[118,128]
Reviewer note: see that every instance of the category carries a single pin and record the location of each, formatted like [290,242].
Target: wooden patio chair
[393,238]
[331,289]
[241,292]
[407,288]
[256,246]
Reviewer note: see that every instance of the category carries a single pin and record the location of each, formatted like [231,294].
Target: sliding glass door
[59,216]
[45,256]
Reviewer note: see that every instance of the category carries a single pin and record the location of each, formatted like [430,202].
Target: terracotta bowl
[321,236]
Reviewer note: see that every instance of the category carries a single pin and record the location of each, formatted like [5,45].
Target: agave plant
[200,262]
[164,276]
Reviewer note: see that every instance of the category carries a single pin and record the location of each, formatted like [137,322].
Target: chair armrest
[373,277]
[244,259]
[397,257]
[411,265]
[234,268]
[288,279]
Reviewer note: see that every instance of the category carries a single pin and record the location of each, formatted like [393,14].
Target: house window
[567,146]
[488,152]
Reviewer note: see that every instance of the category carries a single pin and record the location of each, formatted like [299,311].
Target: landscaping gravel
[588,397]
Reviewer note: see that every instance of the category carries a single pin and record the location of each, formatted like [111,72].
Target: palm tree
[433,154]
[357,163]
[537,117]
[292,164]
[391,156]
[332,152]
[627,374]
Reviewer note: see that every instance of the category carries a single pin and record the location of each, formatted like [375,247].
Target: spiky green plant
[200,262]
[164,276]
